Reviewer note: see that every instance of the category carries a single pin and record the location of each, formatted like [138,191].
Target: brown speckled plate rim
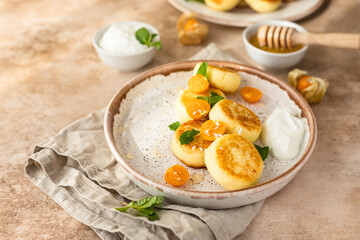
[225,22]
[113,108]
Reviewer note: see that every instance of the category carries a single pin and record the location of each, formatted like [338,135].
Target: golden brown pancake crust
[244,116]
[229,164]
[188,164]
[225,69]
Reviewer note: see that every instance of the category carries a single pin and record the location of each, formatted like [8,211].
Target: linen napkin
[77,170]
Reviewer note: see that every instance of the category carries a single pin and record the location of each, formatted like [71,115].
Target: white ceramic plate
[241,17]
[137,133]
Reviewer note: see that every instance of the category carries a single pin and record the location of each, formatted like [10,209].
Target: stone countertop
[50,76]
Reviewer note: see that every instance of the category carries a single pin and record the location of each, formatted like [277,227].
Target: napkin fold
[77,170]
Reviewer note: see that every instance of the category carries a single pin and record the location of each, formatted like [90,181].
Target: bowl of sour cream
[117,46]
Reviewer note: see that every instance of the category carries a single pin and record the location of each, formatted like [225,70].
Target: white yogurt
[120,39]
[284,133]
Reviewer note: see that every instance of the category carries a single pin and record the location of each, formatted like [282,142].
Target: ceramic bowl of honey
[273,58]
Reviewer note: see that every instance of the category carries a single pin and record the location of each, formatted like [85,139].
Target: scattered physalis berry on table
[303,83]
[312,88]
[191,25]
[190,30]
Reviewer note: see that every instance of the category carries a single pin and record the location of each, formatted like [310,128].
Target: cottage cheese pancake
[191,154]
[263,6]
[234,162]
[238,119]
[224,79]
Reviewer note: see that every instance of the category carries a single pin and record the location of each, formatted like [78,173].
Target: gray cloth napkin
[77,170]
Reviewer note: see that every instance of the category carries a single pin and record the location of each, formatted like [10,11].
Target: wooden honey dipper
[286,37]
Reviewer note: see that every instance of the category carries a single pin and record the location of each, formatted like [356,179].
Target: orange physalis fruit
[303,83]
[197,108]
[250,94]
[191,25]
[198,83]
[176,175]
[211,130]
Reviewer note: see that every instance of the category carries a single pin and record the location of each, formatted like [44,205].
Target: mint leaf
[203,69]
[144,207]
[203,98]
[146,211]
[213,99]
[151,217]
[188,136]
[146,202]
[142,35]
[145,38]
[157,45]
[125,208]
[159,199]
[174,125]
[263,151]
[152,37]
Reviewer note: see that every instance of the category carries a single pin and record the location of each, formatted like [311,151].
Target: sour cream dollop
[120,39]
[284,133]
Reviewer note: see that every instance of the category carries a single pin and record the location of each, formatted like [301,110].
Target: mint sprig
[263,151]
[144,207]
[174,125]
[145,38]
[213,99]
[188,136]
[203,69]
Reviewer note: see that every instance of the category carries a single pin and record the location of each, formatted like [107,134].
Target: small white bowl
[125,62]
[273,60]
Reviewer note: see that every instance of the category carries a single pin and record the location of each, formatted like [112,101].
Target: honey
[253,40]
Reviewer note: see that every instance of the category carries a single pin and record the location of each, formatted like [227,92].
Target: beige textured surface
[50,76]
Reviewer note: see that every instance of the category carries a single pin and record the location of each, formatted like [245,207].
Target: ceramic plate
[136,130]
[242,17]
